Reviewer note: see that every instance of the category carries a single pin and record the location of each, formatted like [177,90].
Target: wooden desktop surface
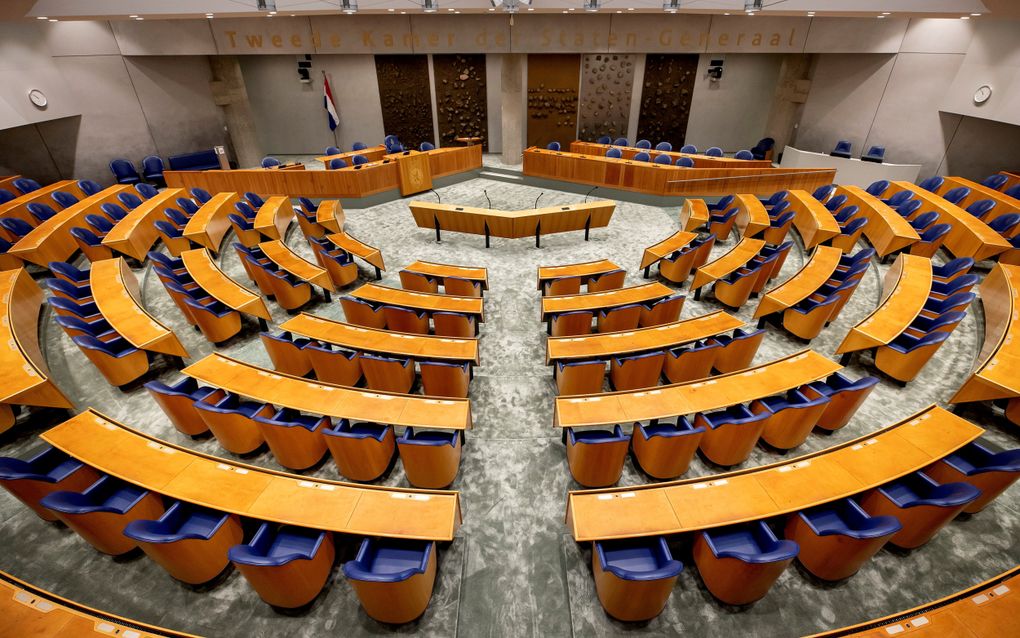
[1004,204]
[419,300]
[700,159]
[330,215]
[554,305]
[886,230]
[512,224]
[767,379]
[693,214]
[996,373]
[752,218]
[209,224]
[274,216]
[372,153]
[442,271]
[582,269]
[200,265]
[905,290]
[731,261]
[610,344]
[24,377]
[969,237]
[811,218]
[51,240]
[358,248]
[253,492]
[280,254]
[666,247]
[283,390]
[773,490]
[135,235]
[362,339]
[18,207]
[803,284]
[115,291]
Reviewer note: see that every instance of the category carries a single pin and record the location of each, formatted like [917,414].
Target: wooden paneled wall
[666,98]
[406,97]
[460,97]
[607,80]
[552,98]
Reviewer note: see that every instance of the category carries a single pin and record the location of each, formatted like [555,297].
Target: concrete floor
[513,569]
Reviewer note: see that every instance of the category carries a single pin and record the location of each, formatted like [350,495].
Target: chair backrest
[336,163]
[189,207]
[956,195]
[84,235]
[605,139]
[875,152]
[100,223]
[239,221]
[553,146]
[664,146]
[764,144]
[835,203]
[714,151]
[359,146]
[1013,191]
[935,232]
[663,159]
[642,157]
[877,188]
[333,150]
[981,207]
[269,161]
[124,170]
[245,210]
[130,200]
[1004,223]
[908,207]
[855,225]
[254,199]
[41,212]
[743,155]
[358,160]
[615,153]
[995,182]
[643,144]
[201,195]
[152,166]
[113,211]
[688,148]
[842,146]
[685,162]
[167,228]
[146,190]
[924,220]
[429,146]
[176,216]
[932,183]
[89,187]
[16,226]
[64,199]
[822,193]
[621,141]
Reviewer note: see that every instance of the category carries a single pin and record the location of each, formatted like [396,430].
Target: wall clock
[38,98]
[982,94]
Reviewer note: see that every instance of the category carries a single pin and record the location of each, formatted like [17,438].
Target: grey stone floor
[513,569]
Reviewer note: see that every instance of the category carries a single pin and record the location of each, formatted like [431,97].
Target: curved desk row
[887,231]
[812,219]
[612,344]
[594,301]
[312,397]
[274,217]
[209,224]
[727,263]
[246,490]
[751,219]
[803,284]
[701,160]
[387,342]
[287,260]
[1004,204]
[983,611]
[360,249]
[768,379]
[330,215]
[905,290]
[995,374]
[26,610]
[24,378]
[664,248]
[428,302]
[371,153]
[221,287]
[512,224]
[772,490]
[135,235]
[18,207]
[442,271]
[584,269]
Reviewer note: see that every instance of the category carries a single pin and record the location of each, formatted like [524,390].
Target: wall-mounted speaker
[304,69]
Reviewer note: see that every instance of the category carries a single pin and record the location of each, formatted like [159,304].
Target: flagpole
[336,141]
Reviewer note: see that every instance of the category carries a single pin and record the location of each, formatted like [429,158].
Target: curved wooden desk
[983,611]
[905,290]
[399,344]
[693,214]
[115,291]
[442,271]
[18,207]
[1003,203]
[583,269]
[24,378]
[594,301]
[26,610]
[995,374]
[752,218]
[246,490]
[209,224]
[284,390]
[280,254]
[969,237]
[200,265]
[372,153]
[772,490]
[802,285]
[330,215]
[611,344]
[774,377]
[274,217]
[811,218]
[886,230]
[360,249]
[420,300]
[700,159]
[736,258]
[52,240]
[664,248]
[135,234]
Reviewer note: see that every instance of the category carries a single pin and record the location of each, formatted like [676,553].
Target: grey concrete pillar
[791,93]
[512,107]
[229,92]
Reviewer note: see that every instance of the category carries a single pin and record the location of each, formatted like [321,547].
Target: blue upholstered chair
[579,377]
[790,418]
[730,434]
[626,317]
[664,450]
[69,273]
[445,378]
[614,153]
[113,211]
[6,196]
[117,360]
[169,233]
[245,210]
[621,141]
[642,157]
[286,351]
[124,172]
[178,403]
[62,306]
[295,439]
[842,149]
[76,327]
[956,195]
[721,224]
[634,576]
[78,294]
[187,205]
[952,269]
[685,162]
[995,182]
[689,149]
[714,151]
[232,421]
[89,187]
[152,168]
[665,147]
[739,564]
[944,322]
[1005,224]
[743,155]
[64,199]
[176,217]
[307,204]
[901,197]
[337,163]
[429,146]
[100,224]
[362,313]
[25,185]
[15,226]
[952,303]
[908,207]
[779,226]
[775,199]
[269,162]
[991,472]
[189,542]
[760,150]
[835,203]
[359,146]
[333,150]
[287,567]
[905,356]
[254,199]
[822,193]
[932,183]
[837,538]
[361,451]
[392,144]
[1013,191]
[40,212]
[645,144]
[358,160]
[924,220]
[99,513]
[691,362]
[147,191]
[844,214]
[921,504]
[596,457]
[409,320]
[605,139]
[874,154]
[46,471]
[201,195]
[663,159]
[393,578]
[431,458]
[176,265]
[957,285]
[130,200]
[877,188]
[553,146]
[981,208]
[636,371]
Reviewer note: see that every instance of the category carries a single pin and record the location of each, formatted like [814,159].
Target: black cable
[538,198]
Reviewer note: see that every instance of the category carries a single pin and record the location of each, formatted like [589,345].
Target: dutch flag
[327,99]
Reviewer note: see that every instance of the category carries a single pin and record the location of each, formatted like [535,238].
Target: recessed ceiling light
[531,8]
[490,9]
[451,10]
[403,13]
[41,18]
[139,19]
[965,17]
[619,11]
[630,8]
[726,13]
[975,14]
[54,20]
[879,17]
[564,12]
[132,16]
[272,13]
[391,10]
